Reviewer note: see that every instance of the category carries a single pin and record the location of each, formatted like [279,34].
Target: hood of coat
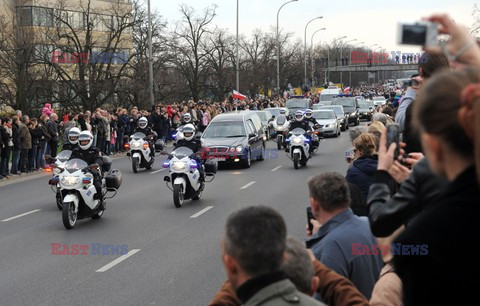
[367,164]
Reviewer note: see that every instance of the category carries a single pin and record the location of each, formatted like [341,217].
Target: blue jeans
[15,160]
[41,154]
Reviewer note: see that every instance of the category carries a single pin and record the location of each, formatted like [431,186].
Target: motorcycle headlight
[297,140]
[239,149]
[280,128]
[179,165]
[70,180]
[135,145]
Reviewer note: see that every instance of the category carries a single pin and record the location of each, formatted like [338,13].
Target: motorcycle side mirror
[252,135]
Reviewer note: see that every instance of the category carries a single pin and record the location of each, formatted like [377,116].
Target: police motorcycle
[185,178]
[80,199]
[140,152]
[298,147]
[280,125]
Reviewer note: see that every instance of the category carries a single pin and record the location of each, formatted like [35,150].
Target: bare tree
[188,53]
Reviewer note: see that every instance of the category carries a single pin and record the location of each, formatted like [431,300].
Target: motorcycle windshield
[182,152]
[75,165]
[64,155]
[138,136]
[281,120]
[298,131]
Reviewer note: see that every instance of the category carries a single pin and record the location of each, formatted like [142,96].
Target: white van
[329,93]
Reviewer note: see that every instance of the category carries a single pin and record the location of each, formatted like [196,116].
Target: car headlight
[239,149]
[135,145]
[297,140]
[179,165]
[70,180]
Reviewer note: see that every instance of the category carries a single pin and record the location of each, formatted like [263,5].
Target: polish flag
[239,96]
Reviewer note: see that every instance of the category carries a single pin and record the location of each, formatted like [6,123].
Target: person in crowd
[376,129]
[6,134]
[3,145]
[52,127]
[16,149]
[43,141]
[82,124]
[356,131]
[253,251]
[308,275]
[121,125]
[428,65]
[25,143]
[101,124]
[380,117]
[36,134]
[47,109]
[453,219]
[336,229]
[364,164]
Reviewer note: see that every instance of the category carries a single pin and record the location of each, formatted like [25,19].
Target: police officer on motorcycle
[299,122]
[72,143]
[193,144]
[93,157]
[145,129]
[309,118]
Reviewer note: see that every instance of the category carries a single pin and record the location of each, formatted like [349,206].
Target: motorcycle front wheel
[135,165]
[279,143]
[69,216]
[296,158]
[178,196]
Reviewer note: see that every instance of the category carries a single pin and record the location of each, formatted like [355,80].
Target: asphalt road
[174,259]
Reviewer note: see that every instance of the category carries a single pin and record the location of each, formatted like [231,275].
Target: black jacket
[294,124]
[52,130]
[362,171]
[448,232]
[193,145]
[147,131]
[15,136]
[90,156]
[36,135]
[420,190]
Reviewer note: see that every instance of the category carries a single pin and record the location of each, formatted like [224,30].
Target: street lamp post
[278,46]
[327,74]
[150,58]
[350,73]
[305,48]
[368,50]
[237,72]
[311,50]
[341,57]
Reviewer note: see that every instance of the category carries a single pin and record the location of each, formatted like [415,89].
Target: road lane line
[276,168]
[21,215]
[156,171]
[201,212]
[248,185]
[118,260]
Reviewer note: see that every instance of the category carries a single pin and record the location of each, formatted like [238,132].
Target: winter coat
[362,171]
[25,137]
[16,136]
[47,110]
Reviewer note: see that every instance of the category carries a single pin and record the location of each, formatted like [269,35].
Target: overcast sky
[370,21]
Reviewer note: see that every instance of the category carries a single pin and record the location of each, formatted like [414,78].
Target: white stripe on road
[248,185]
[201,212]
[118,260]
[156,171]
[21,215]
[276,168]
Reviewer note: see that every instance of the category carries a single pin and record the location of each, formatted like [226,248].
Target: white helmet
[187,117]
[85,140]
[142,122]
[73,135]
[299,116]
[308,113]
[188,132]
[283,111]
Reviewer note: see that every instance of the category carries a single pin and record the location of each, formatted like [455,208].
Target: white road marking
[248,185]
[276,168]
[201,212]
[156,171]
[21,215]
[118,260]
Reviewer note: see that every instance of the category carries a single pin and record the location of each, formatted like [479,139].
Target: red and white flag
[239,96]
